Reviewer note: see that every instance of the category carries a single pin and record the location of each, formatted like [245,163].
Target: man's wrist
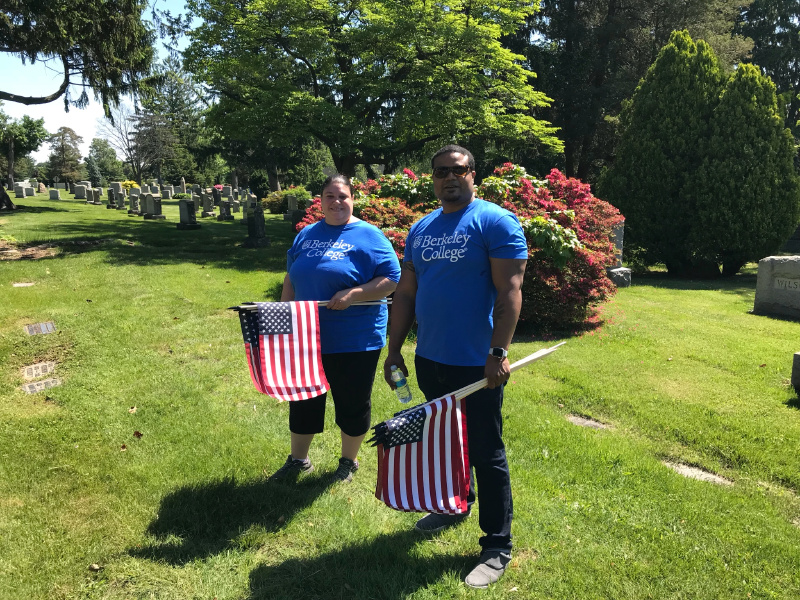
[498,352]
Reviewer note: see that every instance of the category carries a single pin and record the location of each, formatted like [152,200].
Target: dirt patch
[9,251]
[695,473]
[584,422]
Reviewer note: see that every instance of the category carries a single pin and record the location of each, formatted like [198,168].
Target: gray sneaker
[434,522]
[292,469]
[489,569]
[345,470]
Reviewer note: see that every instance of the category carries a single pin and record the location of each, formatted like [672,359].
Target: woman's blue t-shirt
[325,259]
[455,293]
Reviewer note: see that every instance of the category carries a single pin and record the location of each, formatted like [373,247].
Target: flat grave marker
[40,328]
[23,284]
[38,370]
[40,386]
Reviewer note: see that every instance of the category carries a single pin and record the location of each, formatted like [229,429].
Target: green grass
[680,371]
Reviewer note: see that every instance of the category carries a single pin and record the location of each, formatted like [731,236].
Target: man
[461,278]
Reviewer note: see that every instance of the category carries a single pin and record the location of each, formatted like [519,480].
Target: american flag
[423,463]
[283,350]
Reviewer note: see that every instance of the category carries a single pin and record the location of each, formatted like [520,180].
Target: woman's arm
[287,293]
[375,289]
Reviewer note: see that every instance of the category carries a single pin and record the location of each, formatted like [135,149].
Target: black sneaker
[292,469]
[489,569]
[434,522]
[345,470]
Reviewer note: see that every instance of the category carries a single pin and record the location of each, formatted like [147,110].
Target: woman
[344,260]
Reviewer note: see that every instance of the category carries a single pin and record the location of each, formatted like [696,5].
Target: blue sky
[44,78]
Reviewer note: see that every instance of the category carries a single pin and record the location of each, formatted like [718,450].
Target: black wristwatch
[500,353]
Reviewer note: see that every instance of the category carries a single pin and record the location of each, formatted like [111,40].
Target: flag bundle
[423,463]
[281,340]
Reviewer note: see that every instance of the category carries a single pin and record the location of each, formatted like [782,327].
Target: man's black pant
[487,453]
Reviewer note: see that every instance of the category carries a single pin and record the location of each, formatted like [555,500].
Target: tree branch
[28,100]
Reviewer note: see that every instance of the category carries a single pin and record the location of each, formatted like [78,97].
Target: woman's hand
[341,299]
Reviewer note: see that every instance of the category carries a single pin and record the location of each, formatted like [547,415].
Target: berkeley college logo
[451,247]
[334,250]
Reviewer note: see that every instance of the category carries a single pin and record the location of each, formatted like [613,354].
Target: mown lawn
[680,372]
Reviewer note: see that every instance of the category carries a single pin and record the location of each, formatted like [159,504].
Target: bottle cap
[393,368]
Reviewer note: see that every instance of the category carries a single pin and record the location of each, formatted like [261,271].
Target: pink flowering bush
[569,244]
[567,229]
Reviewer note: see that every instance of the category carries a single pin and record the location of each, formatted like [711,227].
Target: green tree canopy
[774,26]
[704,171]
[651,180]
[65,156]
[99,44]
[371,79]
[19,137]
[103,155]
[748,195]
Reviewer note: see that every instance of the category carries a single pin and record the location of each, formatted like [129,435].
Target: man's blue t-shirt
[325,259]
[455,293]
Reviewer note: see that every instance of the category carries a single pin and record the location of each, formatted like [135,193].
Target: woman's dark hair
[339,178]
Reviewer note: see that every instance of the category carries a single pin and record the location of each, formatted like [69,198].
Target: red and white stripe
[431,475]
[291,364]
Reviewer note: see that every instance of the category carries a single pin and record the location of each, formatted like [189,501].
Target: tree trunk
[346,165]
[274,182]
[10,162]
[235,179]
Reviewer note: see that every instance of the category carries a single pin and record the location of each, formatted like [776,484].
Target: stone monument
[188,219]
[256,228]
[778,287]
[225,211]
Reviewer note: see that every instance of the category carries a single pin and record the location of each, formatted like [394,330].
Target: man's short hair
[457,149]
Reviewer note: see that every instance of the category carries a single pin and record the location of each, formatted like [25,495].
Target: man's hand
[497,371]
[393,358]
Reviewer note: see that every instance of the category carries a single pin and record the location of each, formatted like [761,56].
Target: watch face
[498,353]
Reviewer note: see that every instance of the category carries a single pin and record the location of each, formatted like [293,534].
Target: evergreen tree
[651,181]
[65,156]
[748,196]
[94,172]
[104,156]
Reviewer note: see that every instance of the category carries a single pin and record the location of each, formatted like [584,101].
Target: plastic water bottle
[403,391]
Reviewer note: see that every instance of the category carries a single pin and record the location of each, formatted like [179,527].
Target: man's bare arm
[402,318]
[507,275]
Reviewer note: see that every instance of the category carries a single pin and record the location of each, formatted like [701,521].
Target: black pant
[487,453]
[350,375]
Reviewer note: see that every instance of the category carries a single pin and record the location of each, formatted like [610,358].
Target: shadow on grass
[741,284]
[199,521]
[140,242]
[794,402]
[380,568]
[21,208]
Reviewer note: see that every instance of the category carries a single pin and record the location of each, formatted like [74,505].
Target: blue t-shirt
[325,259]
[455,292]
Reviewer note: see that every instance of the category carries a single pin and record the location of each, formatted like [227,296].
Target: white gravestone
[778,287]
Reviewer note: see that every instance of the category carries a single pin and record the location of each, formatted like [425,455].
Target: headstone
[617,238]
[291,201]
[41,188]
[217,195]
[227,191]
[80,192]
[61,186]
[256,229]
[71,187]
[235,206]
[134,210]
[87,184]
[19,191]
[34,183]
[195,202]
[155,206]
[188,219]
[183,185]
[55,194]
[117,185]
[29,191]
[112,199]
[778,287]
[620,277]
[225,211]
[166,193]
[119,199]
[196,189]
[147,204]
[796,373]
[208,205]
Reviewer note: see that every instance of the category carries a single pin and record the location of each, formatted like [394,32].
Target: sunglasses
[458,171]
